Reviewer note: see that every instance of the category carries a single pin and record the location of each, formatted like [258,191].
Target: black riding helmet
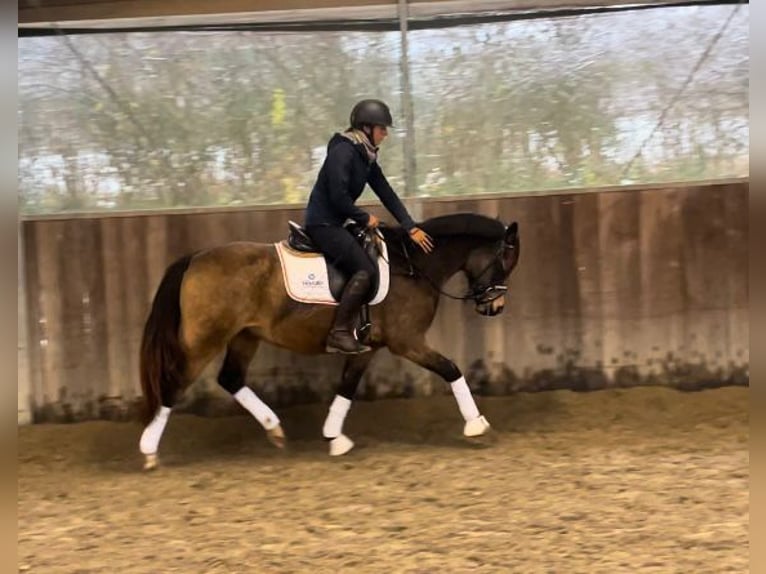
[370,112]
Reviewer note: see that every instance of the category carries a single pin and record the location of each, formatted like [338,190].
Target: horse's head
[483,248]
[488,268]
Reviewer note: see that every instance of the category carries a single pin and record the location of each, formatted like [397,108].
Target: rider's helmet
[370,112]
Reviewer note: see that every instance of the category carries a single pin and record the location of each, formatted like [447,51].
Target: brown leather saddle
[299,240]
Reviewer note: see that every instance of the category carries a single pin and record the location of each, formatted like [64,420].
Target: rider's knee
[364,277]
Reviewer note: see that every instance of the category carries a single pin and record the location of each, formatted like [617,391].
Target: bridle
[480,293]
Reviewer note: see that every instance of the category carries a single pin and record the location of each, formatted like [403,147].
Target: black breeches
[342,250]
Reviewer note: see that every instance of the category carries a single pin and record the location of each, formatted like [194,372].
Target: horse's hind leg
[150,438]
[231,377]
[421,354]
[333,425]
[201,355]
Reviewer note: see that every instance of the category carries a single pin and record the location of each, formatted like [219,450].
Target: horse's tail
[163,362]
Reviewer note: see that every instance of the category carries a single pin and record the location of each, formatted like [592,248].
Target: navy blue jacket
[340,182]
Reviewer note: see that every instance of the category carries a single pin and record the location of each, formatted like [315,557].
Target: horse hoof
[276,436]
[476,427]
[151,462]
[340,445]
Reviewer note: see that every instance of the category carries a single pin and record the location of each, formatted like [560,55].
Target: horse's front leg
[333,426]
[421,354]
[231,377]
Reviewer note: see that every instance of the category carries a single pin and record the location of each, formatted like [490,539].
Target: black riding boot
[341,338]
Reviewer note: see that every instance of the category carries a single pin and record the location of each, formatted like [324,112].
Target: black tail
[163,362]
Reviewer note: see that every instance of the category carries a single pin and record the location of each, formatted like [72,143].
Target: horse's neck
[447,258]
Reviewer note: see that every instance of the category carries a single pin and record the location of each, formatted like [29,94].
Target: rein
[478,294]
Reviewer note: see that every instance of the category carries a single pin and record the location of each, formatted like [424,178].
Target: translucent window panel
[179,119]
[182,119]
[538,104]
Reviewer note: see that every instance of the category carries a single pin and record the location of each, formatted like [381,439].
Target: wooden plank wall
[647,286]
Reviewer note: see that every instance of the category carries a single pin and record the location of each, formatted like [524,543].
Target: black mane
[471,224]
[456,224]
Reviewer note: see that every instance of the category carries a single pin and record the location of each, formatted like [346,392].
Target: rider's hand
[373,222]
[422,239]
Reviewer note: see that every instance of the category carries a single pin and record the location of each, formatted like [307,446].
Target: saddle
[310,278]
[299,240]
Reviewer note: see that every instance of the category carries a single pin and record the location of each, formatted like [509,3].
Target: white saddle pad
[305,276]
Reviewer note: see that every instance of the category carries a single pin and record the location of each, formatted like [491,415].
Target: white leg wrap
[150,438]
[333,424]
[464,399]
[256,407]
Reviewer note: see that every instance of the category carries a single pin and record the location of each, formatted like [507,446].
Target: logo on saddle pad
[308,278]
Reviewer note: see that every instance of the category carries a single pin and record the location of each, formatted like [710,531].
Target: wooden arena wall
[639,285]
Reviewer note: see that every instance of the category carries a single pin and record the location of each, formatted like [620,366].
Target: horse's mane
[461,224]
[471,224]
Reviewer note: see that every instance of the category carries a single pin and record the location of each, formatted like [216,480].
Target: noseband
[484,294]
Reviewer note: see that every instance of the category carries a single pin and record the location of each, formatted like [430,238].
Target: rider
[351,163]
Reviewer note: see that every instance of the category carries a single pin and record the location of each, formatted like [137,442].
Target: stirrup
[364,331]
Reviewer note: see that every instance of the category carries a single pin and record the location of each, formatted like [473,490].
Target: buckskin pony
[233,296]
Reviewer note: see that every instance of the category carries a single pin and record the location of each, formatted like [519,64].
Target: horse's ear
[511,232]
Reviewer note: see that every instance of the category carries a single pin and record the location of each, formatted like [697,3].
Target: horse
[231,297]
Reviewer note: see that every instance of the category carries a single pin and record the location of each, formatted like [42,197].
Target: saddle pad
[306,279]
